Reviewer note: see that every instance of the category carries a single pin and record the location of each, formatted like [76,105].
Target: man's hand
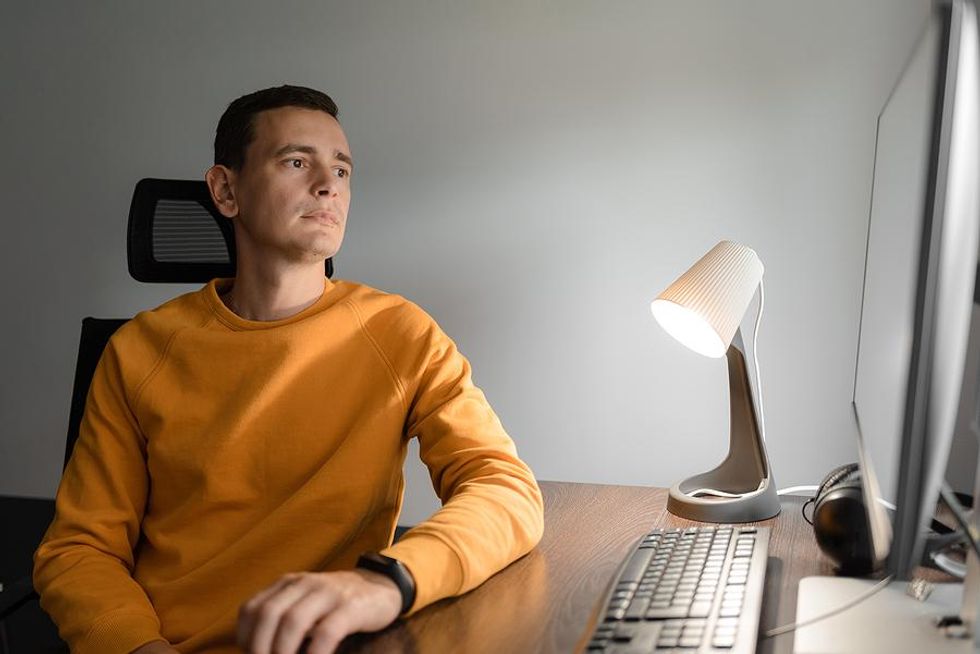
[324,606]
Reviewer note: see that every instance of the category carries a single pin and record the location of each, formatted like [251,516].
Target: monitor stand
[888,621]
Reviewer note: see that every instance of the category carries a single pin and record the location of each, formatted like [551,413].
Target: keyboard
[687,590]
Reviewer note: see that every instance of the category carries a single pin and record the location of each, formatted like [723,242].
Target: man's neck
[274,295]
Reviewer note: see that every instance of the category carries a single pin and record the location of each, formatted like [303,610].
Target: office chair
[175,235]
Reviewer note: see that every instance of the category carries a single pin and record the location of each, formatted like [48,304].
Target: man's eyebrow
[309,149]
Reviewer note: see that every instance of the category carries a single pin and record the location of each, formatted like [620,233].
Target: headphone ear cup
[835,476]
[840,521]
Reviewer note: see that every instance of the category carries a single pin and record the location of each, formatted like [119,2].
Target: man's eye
[296,163]
[343,172]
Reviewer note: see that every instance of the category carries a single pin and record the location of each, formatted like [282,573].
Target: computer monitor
[918,285]
[915,319]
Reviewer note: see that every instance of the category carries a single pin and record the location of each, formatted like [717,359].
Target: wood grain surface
[548,600]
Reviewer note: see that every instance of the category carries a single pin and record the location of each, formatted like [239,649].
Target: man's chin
[318,252]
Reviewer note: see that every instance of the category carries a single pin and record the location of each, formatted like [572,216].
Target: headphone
[840,521]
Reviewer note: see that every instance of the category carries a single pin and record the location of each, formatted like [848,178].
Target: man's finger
[246,614]
[297,621]
[327,634]
[262,617]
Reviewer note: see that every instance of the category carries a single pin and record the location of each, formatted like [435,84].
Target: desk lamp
[703,310]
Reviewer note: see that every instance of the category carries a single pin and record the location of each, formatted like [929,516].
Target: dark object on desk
[699,589]
[840,521]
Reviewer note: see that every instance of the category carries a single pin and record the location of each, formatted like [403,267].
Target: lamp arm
[744,478]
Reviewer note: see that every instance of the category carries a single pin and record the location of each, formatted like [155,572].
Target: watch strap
[394,570]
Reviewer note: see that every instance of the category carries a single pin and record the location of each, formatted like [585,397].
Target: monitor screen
[918,284]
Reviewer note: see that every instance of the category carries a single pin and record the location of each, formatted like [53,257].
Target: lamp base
[759,504]
[741,488]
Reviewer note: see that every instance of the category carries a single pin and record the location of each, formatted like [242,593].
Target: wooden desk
[547,600]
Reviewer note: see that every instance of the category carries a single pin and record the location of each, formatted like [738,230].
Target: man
[238,474]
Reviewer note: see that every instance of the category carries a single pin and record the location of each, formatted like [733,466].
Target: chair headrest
[177,235]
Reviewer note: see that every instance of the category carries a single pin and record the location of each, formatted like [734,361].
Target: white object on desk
[889,621]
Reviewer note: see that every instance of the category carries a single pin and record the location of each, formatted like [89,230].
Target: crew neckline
[217,286]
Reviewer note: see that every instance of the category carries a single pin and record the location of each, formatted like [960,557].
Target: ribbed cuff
[434,565]
[120,631]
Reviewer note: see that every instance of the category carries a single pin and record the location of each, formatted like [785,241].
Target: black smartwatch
[394,570]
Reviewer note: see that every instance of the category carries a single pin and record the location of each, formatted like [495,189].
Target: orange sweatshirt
[218,453]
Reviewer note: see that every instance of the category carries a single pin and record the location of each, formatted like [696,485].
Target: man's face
[292,194]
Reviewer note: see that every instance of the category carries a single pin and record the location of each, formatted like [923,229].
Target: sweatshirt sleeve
[83,567]
[492,511]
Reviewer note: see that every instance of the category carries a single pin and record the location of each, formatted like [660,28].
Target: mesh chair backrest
[176,235]
[96,333]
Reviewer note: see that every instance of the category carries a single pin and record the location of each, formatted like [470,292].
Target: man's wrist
[394,570]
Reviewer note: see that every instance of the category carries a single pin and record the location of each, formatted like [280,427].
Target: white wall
[533,174]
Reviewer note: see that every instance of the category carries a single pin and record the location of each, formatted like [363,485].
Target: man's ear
[221,183]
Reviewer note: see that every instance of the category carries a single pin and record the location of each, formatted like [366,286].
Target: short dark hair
[236,127]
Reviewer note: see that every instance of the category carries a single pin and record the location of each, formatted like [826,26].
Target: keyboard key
[723,642]
[615,614]
[700,609]
[689,641]
[637,609]
[625,631]
[663,613]
[636,637]
[637,564]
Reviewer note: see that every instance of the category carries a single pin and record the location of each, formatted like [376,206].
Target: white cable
[786,628]
[714,492]
[755,359]
[792,490]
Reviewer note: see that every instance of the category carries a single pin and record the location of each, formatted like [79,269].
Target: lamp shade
[704,307]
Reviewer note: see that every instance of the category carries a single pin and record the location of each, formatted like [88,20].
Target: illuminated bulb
[688,327]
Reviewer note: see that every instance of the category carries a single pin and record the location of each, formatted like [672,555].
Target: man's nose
[325,184]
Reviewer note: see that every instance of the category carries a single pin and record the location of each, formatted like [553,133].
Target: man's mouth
[324,217]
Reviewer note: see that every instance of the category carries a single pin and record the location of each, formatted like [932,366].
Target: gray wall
[532,174]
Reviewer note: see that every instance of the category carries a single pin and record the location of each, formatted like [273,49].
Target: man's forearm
[477,533]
